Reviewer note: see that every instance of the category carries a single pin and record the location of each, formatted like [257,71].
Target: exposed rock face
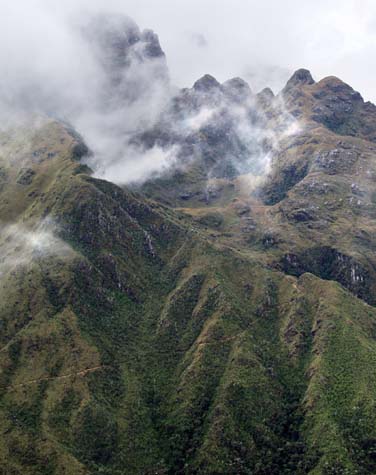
[265,97]
[330,264]
[131,60]
[332,103]
[206,84]
[237,89]
[301,77]
[152,46]
[220,132]
[117,39]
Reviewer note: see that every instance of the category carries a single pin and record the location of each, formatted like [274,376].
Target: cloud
[199,40]
[99,72]
[21,246]
[139,165]
[199,119]
[47,60]
[262,75]
[286,35]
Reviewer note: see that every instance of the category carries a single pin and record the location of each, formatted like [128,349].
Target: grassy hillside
[142,339]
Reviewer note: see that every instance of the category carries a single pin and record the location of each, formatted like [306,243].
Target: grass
[211,361]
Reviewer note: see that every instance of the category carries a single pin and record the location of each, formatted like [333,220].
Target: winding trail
[84,372]
[81,373]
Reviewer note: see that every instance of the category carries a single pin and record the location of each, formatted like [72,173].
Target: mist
[22,246]
[263,42]
[57,62]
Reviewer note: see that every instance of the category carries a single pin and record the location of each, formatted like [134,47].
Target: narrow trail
[84,372]
[81,373]
[221,340]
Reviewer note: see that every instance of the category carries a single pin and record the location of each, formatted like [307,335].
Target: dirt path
[81,373]
[86,371]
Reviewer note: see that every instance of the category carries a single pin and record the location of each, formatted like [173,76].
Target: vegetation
[218,338]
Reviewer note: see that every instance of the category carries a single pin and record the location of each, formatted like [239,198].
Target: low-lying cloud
[137,166]
[21,246]
[110,80]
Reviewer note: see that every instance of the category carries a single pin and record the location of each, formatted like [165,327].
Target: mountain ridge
[217,318]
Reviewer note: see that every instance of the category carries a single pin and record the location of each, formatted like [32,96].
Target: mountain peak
[332,84]
[152,45]
[206,83]
[267,93]
[108,30]
[114,36]
[301,77]
[131,60]
[237,88]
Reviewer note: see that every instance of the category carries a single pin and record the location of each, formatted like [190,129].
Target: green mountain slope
[229,337]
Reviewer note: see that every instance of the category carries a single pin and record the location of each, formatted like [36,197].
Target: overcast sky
[261,41]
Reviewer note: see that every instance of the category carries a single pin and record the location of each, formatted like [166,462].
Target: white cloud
[325,36]
[20,245]
[199,119]
[43,58]
[138,165]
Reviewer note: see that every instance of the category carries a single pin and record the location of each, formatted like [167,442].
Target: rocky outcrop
[330,264]
[330,102]
[237,90]
[206,84]
[301,77]
[133,62]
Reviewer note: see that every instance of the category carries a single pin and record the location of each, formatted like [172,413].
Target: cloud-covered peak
[267,93]
[237,89]
[206,83]
[130,59]
[115,35]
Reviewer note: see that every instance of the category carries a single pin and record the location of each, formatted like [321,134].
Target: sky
[261,41]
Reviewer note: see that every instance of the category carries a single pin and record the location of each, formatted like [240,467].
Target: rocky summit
[215,318]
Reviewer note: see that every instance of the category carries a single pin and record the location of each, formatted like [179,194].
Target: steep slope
[217,319]
[133,340]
